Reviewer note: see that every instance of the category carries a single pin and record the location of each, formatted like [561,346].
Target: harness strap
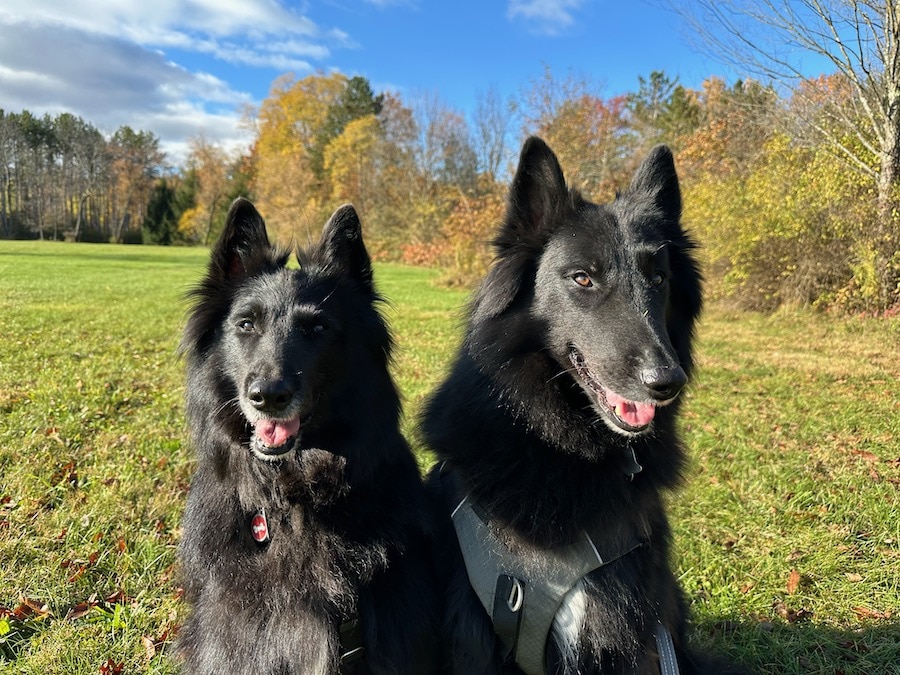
[352,651]
[522,593]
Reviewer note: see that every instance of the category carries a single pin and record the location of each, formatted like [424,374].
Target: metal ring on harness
[516,596]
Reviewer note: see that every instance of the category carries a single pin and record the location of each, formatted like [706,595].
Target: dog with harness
[555,431]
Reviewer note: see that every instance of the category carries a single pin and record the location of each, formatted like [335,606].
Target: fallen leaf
[111,668]
[82,608]
[853,576]
[117,598]
[865,454]
[866,613]
[79,610]
[149,647]
[78,574]
[29,607]
[790,614]
[793,582]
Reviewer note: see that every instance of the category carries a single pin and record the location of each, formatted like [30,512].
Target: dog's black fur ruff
[292,411]
[577,345]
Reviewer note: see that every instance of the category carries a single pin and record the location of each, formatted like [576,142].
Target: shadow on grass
[803,647]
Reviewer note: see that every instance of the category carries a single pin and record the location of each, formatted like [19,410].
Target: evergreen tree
[161,224]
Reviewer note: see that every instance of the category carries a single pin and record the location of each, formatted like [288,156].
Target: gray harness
[522,593]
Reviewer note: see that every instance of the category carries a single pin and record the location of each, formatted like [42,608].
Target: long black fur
[521,431]
[345,505]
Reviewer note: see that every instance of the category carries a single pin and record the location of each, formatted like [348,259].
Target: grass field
[787,529]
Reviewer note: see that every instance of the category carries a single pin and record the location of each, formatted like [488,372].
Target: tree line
[782,218]
[60,177]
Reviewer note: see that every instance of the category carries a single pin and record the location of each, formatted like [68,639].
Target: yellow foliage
[349,160]
[285,188]
[190,224]
[294,111]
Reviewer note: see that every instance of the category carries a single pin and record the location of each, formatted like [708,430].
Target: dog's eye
[319,328]
[246,325]
[657,279]
[582,279]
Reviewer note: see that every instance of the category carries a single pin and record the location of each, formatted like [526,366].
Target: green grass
[787,530]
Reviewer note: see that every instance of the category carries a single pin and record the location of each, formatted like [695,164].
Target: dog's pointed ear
[656,178]
[243,244]
[343,246]
[537,193]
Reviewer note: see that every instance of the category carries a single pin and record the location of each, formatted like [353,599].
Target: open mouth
[273,438]
[629,416]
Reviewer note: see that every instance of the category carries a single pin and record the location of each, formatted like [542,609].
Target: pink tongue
[633,414]
[275,433]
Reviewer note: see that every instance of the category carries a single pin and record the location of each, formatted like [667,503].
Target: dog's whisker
[562,372]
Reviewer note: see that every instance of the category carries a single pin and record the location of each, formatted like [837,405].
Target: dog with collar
[306,536]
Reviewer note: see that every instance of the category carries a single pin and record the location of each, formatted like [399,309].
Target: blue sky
[182,68]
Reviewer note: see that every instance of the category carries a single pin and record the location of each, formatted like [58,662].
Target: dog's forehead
[638,217]
[286,288]
[599,227]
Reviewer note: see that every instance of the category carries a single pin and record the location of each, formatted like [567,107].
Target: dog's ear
[656,178]
[243,246]
[343,246]
[537,194]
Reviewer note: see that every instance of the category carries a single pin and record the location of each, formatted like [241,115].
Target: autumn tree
[398,178]
[354,102]
[210,170]
[589,134]
[773,216]
[350,163]
[662,110]
[860,40]
[294,126]
[136,162]
[58,177]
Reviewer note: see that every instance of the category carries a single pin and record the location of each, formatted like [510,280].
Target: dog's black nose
[270,395]
[664,383]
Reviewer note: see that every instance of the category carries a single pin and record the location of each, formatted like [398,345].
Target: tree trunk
[884,241]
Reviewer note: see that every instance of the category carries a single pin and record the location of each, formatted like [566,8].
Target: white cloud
[545,16]
[108,61]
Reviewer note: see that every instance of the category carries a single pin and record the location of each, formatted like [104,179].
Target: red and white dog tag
[259,527]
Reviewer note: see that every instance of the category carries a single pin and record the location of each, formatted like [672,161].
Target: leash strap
[668,663]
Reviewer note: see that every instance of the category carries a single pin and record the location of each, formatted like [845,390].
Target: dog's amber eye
[582,280]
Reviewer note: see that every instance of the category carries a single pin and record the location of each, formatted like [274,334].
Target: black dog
[306,532]
[556,431]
